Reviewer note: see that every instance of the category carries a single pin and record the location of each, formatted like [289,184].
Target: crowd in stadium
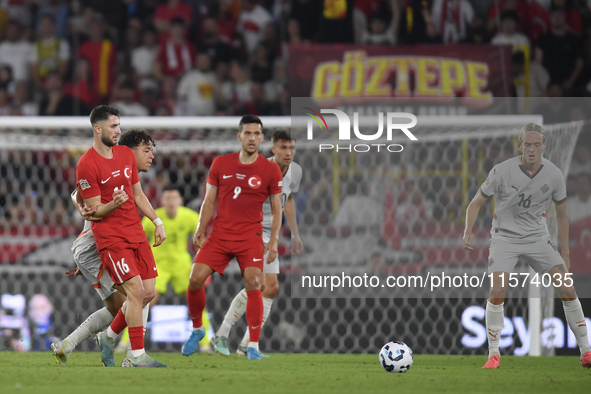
[230,57]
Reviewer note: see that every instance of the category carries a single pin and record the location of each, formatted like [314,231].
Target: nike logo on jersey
[228,176]
[256,259]
[155,268]
[106,180]
[254,328]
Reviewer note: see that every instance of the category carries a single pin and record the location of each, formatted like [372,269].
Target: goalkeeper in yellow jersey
[174,262]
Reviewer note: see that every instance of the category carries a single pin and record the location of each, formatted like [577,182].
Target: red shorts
[217,253]
[123,261]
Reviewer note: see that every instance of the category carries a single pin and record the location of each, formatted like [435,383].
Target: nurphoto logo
[344,123]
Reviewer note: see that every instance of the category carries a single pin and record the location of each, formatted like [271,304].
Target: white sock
[495,320]
[111,334]
[235,312]
[254,345]
[137,353]
[576,322]
[267,304]
[93,324]
[198,328]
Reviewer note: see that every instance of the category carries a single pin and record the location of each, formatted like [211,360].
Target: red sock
[118,323]
[254,314]
[136,337]
[196,302]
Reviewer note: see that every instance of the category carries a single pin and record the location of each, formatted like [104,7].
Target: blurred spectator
[236,92]
[579,206]
[51,53]
[56,103]
[101,54]
[82,87]
[533,18]
[301,12]
[581,162]
[169,99]
[358,210]
[452,19]
[22,100]
[144,57]
[336,22]
[538,80]
[508,34]
[276,86]
[4,102]
[59,10]
[554,108]
[573,18]
[571,185]
[251,24]
[478,32]
[149,96]
[227,18]
[81,18]
[175,56]
[19,11]
[16,52]
[258,105]
[416,25]
[376,23]
[198,87]
[294,35]
[172,9]
[260,65]
[6,80]
[212,44]
[127,104]
[272,41]
[560,52]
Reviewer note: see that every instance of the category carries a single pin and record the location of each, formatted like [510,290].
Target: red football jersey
[96,175]
[242,190]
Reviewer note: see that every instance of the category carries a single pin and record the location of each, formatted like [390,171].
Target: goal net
[379,213]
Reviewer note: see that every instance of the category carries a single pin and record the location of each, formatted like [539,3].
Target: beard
[107,141]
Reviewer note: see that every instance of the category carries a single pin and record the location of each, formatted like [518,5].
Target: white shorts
[541,255]
[89,263]
[272,268]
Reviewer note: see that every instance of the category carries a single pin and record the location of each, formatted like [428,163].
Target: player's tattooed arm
[205,215]
[85,211]
[471,215]
[276,215]
[102,210]
[562,220]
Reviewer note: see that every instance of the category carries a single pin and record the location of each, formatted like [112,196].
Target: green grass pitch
[290,373]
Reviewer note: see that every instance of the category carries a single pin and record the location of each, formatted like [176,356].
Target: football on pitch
[396,356]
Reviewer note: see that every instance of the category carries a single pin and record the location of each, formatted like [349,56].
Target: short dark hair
[247,119]
[281,134]
[509,14]
[172,189]
[135,137]
[103,112]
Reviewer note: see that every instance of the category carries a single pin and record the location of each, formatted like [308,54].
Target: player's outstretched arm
[289,209]
[562,219]
[471,215]
[276,216]
[205,215]
[85,212]
[143,204]
[102,210]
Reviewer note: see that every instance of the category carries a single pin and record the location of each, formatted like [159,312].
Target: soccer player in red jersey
[240,183]
[107,177]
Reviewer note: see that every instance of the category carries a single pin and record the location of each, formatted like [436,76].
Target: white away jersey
[522,199]
[291,184]
[84,241]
